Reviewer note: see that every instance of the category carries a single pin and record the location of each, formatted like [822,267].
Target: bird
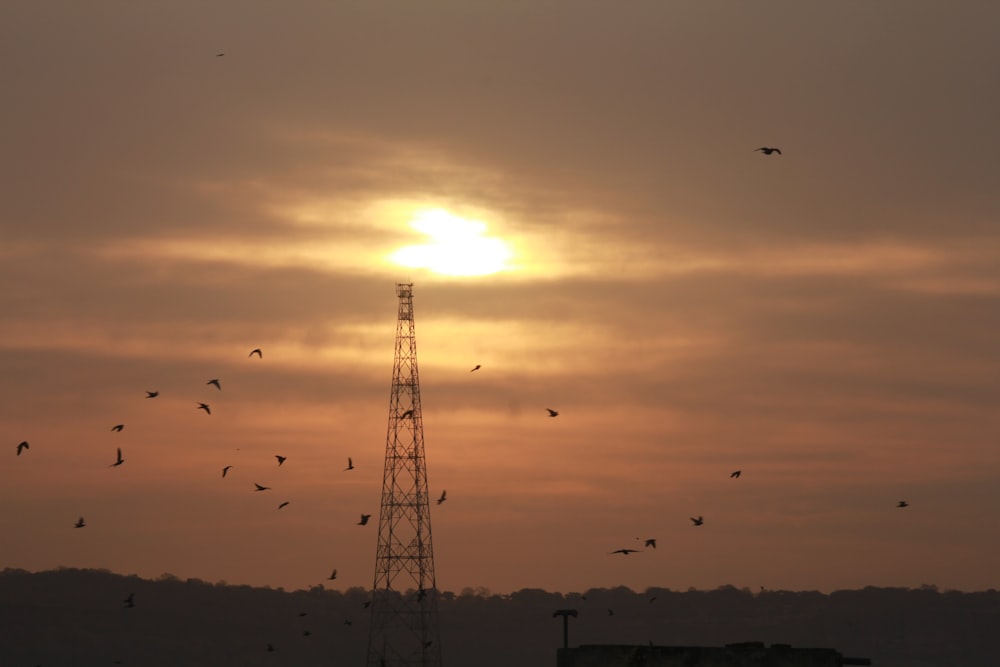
[652,599]
[350,464]
[902,503]
[204,406]
[697,521]
[367,604]
[552,413]
[21,446]
[80,523]
[225,469]
[270,648]
[152,394]
[625,552]
[735,474]
[408,413]
[283,504]
[651,542]
[427,644]
[611,612]
[348,622]
[364,519]
[130,600]
[767,150]
[216,382]
[442,498]
[219,55]
[281,459]
[256,350]
[333,575]
[261,487]
[303,613]
[306,633]
[478,366]
[119,460]
[118,427]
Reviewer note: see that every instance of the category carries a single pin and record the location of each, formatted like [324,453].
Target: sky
[183,182]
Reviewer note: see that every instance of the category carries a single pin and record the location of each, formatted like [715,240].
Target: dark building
[749,654]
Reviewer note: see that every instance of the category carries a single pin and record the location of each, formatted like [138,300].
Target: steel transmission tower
[404,622]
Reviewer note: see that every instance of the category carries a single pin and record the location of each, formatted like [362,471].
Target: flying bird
[282,504]
[23,445]
[261,487]
[902,503]
[129,601]
[118,427]
[625,552]
[216,382]
[350,464]
[333,575]
[256,350]
[478,366]
[552,413]
[225,470]
[152,394]
[651,542]
[119,460]
[204,406]
[767,150]
[611,612]
[281,459]
[80,523]
[270,647]
[697,521]
[364,519]
[306,633]
[408,413]
[735,474]
[443,497]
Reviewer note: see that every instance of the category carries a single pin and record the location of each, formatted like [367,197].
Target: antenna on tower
[404,620]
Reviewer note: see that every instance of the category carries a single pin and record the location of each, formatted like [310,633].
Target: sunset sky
[608,244]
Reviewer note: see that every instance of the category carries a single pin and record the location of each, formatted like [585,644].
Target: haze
[824,320]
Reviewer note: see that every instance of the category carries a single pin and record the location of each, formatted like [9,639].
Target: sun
[457,246]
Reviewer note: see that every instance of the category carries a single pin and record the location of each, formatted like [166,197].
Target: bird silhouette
[216,382]
[443,497]
[152,394]
[261,487]
[767,150]
[364,519]
[219,55]
[611,612]
[697,521]
[204,406]
[408,413]
[552,413]
[478,366]
[256,350]
[281,459]
[306,633]
[118,427]
[333,575]
[80,523]
[282,504]
[225,469]
[734,474]
[119,460]
[348,622]
[350,464]
[21,446]
[367,604]
[270,648]
[625,552]
[651,542]
[129,601]
[902,503]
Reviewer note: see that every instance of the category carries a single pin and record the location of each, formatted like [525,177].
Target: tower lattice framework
[404,619]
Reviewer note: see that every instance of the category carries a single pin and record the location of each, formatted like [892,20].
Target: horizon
[580,197]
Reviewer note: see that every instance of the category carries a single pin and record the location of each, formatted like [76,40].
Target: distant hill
[77,618]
